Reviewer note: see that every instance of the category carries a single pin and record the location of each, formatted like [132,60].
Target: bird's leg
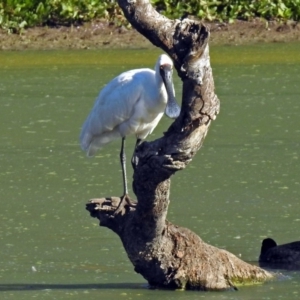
[123,164]
[125,198]
[134,160]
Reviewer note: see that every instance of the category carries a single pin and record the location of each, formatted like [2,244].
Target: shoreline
[102,35]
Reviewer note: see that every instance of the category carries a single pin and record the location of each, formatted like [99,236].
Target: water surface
[242,186]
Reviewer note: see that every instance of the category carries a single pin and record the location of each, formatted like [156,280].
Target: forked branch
[164,254]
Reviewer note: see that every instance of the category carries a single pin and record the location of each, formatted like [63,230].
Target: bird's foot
[125,203]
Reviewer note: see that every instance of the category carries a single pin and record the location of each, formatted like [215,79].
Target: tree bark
[167,255]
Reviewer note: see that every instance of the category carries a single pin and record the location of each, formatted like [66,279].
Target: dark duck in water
[286,256]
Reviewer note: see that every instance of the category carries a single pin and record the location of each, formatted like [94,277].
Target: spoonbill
[132,103]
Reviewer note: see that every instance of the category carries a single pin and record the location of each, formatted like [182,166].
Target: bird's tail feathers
[92,150]
[85,140]
[100,141]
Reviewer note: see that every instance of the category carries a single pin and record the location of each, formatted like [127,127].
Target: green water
[241,187]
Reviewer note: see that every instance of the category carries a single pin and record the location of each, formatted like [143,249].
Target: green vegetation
[229,10]
[18,14]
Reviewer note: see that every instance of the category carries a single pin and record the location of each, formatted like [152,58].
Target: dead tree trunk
[164,254]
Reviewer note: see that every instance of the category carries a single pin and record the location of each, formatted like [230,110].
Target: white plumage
[132,103]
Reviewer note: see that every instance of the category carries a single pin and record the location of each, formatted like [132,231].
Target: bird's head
[267,244]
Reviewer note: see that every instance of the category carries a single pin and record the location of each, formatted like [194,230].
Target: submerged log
[167,255]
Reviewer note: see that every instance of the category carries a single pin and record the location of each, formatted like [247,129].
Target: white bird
[132,103]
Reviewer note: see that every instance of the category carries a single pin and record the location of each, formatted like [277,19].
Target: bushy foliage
[18,14]
[229,10]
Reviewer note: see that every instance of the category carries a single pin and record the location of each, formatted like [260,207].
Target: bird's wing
[295,246]
[114,105]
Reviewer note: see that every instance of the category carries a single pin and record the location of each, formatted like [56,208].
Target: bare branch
[164,254]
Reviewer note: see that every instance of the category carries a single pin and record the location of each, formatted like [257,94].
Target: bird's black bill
[172,109]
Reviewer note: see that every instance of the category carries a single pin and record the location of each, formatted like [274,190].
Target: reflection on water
[241,187]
